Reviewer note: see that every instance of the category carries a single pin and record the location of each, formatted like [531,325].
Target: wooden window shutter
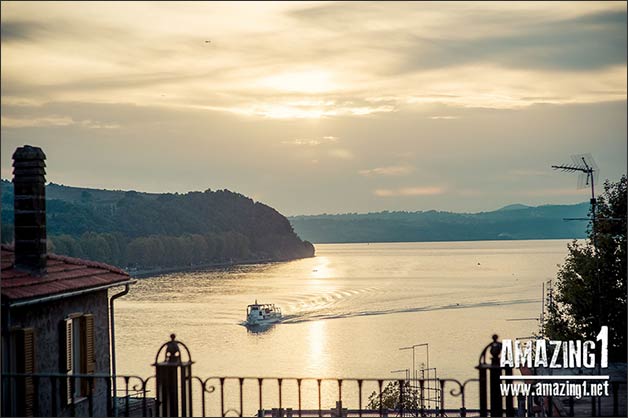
[25,361]
[66,360]
[88,350]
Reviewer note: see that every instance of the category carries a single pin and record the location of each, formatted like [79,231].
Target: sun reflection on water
[317,360]
[322,269]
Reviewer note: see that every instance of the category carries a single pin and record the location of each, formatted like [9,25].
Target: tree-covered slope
[511,222]
[158,230]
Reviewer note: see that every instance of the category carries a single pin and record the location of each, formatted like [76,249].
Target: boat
[262,314]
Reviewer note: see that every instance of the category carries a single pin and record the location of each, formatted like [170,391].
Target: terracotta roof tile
[64,274]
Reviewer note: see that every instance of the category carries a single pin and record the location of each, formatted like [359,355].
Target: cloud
[446,117]
[312,81]
[514,56]
[528,82]
[576,39]
[9,122]
[48,121]
[409,191]
[21,30]
[476,152]
[394,170]
[300,111]
[311,142]
[584,43]
[30,29]
[341,154]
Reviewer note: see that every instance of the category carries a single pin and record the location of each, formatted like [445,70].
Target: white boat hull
[262,314]
[267,321]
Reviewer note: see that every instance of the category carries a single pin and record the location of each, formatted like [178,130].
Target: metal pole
[427,347]
[413,368]
[415,373]
[405,371]
[414,380]
[113,347]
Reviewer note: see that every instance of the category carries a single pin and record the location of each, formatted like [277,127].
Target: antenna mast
[585,165]
[588,174]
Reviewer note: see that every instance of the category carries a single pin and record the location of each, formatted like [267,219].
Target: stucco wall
[45,319]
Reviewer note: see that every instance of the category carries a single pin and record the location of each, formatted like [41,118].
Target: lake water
[347,311]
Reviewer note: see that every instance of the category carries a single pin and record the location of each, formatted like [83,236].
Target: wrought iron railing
[351,399]
[57,394]
[175,391]
[267,396]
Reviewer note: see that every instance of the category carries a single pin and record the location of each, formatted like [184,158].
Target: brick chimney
[30,209]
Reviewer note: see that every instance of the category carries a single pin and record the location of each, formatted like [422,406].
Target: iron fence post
[495,373]
[172,372]
[482,378]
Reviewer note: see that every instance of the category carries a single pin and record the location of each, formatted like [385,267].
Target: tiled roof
[64,274]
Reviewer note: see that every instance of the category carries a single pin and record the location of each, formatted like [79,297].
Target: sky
[319,107]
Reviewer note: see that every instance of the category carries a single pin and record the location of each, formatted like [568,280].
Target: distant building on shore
[55,310]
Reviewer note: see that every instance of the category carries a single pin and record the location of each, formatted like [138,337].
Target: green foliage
[161,230]
[390,398]
[591,290]
[511,222]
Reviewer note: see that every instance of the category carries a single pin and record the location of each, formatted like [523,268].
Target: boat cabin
[262,312]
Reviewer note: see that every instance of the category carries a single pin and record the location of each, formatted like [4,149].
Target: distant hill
[514,206]
[84,195]
[511,222]
[149,230]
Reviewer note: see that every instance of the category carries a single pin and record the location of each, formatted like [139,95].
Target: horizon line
[323,213]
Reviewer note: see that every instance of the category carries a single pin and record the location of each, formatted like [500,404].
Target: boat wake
[299,317]
[368,301]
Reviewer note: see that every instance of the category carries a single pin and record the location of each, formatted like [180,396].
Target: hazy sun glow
[242,96]
[309,81]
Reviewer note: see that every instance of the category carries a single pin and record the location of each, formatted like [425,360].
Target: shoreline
[148,273]
[446,241]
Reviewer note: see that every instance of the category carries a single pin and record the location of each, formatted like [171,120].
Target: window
[24,348]
[78,354]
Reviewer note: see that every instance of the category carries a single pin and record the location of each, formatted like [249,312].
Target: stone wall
[45,319]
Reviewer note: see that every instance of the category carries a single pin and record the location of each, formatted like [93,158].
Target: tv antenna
[587,170]
[588,174]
